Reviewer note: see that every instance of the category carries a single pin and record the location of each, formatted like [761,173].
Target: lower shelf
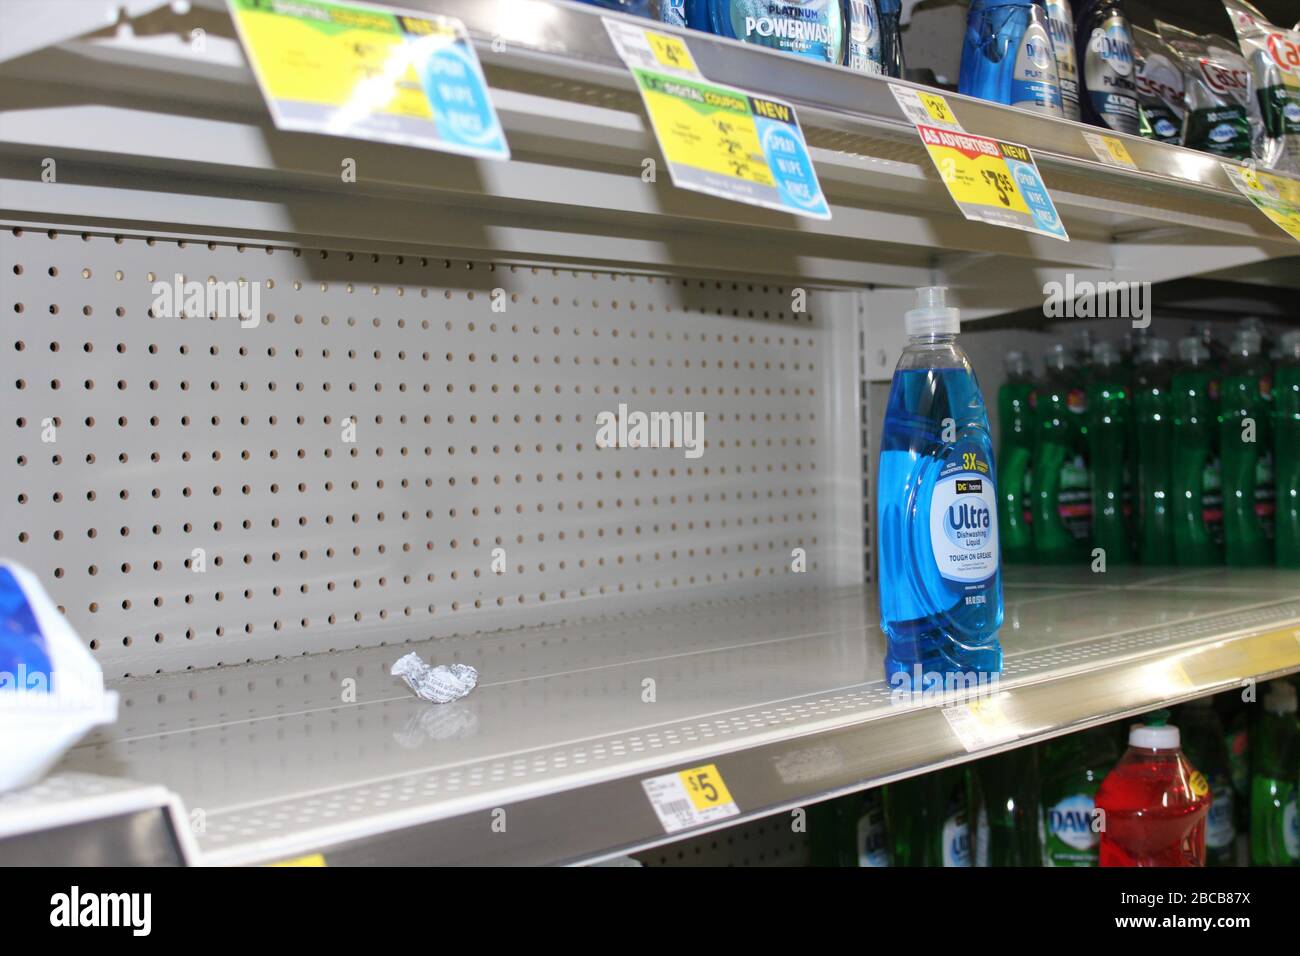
[544,762]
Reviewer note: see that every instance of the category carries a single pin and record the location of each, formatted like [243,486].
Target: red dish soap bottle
[1154,803]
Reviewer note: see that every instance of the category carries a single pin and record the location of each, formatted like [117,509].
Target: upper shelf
[785,697]
[113,102]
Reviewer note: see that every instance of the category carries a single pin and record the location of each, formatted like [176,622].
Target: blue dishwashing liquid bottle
[891,37]
[811,28]
[640,8]
[1008,57]
[940,581]
[669,11]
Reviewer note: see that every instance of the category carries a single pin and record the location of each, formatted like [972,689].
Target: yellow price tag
[1118,151]
[938,108]
[980,180]
[705,787]
[671,51]
[1200,786]
[311,859]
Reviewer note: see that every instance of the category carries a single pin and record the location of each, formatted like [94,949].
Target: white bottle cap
[1280,698]
[930,315]
[1153,738]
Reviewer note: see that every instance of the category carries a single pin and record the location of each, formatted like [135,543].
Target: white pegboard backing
[769,841]
[200,489]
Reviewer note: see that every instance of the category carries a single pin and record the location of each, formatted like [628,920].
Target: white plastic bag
[51,688]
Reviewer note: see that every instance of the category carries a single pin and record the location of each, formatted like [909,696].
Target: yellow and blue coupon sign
[349,69]
[718,139]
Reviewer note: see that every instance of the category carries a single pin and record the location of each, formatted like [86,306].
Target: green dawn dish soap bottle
[1108,434]
[1073,768]
[1243,437]
[1007,809]
[848,831]
[870,846]
[1275,747]
[1153,427]
[926,818]
[1062,501]
[1286,451]
[1015,458]
[1196,481]
[1205,744]
[1236,719]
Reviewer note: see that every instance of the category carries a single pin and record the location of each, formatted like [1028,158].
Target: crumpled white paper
[441,684]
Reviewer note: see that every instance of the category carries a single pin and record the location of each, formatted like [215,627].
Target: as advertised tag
[1277,197]
[717,139]
[690,797]
[990,180]
[352,69]
[1109,149]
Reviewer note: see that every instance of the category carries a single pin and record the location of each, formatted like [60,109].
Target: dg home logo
[75,908]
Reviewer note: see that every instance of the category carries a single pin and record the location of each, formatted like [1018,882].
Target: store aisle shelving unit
[785,697]
[258,690]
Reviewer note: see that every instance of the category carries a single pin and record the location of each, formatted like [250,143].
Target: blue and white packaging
[51,689]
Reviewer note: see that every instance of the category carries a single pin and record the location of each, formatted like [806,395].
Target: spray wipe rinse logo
[636,429]
[1098,300]
[236,299]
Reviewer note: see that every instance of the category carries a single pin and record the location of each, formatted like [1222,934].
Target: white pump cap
[930,315]
[1280,698]
[1153,738]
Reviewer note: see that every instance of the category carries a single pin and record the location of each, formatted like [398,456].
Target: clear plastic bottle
[1154,803]
[940,577]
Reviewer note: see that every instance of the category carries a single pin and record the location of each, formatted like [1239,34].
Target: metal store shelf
[573,192]
[785,696]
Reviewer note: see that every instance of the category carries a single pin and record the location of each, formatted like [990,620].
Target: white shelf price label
[689,798]
[717,139]
[1109,149]
[980,723]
